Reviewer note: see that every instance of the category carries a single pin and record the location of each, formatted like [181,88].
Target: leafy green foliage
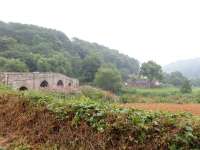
[108,78]
[186,87]
[175,130]
[185,139]
[151,70]
[174,78]
[127,128]
[89,67]
[15,65]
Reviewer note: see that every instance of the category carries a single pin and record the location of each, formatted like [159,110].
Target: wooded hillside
[189,68]
[33,48]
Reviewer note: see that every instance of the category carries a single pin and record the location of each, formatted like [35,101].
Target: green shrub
[109,78]
[186,87]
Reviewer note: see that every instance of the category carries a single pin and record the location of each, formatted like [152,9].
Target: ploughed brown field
[192,108]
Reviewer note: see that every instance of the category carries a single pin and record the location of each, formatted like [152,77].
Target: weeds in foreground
[114,127]
[143,125]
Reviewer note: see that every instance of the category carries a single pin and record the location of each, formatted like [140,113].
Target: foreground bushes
[78,122]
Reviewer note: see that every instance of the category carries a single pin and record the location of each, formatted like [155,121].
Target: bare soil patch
[192,108]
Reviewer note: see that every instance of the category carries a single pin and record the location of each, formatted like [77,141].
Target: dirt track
[193,108]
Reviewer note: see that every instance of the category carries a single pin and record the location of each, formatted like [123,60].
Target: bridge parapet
[38,81]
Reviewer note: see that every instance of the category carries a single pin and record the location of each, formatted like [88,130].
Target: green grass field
[161,95]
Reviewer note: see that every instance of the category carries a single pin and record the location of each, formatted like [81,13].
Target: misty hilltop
[33,48]
[189,68]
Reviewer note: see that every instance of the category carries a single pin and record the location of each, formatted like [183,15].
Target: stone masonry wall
[38,81]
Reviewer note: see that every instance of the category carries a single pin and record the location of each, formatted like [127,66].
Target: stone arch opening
[60,83]
[23,88]
[44,84]
[69,84]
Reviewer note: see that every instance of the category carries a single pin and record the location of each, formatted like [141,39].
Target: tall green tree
[186,87]
[176,79]
[89,67]
[108,78]
[151,70]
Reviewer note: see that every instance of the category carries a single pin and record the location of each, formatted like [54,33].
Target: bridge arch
[23,88]
[60,83]
[70,84]
[44,84]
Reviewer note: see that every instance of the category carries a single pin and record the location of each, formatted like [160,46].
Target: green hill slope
[33,48]
[189,68]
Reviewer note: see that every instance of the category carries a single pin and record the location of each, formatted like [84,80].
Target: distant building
[142,83]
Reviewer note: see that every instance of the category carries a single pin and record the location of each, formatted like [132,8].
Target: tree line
[153,71]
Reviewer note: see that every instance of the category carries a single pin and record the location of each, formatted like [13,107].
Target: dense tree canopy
[151,70]
[89,67]
[12,65]
[174,78]
[108,78]
[186,87]
[32,48]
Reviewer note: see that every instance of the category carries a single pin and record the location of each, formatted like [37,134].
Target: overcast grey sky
[159,30]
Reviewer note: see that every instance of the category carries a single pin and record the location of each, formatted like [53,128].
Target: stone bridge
[39,81]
